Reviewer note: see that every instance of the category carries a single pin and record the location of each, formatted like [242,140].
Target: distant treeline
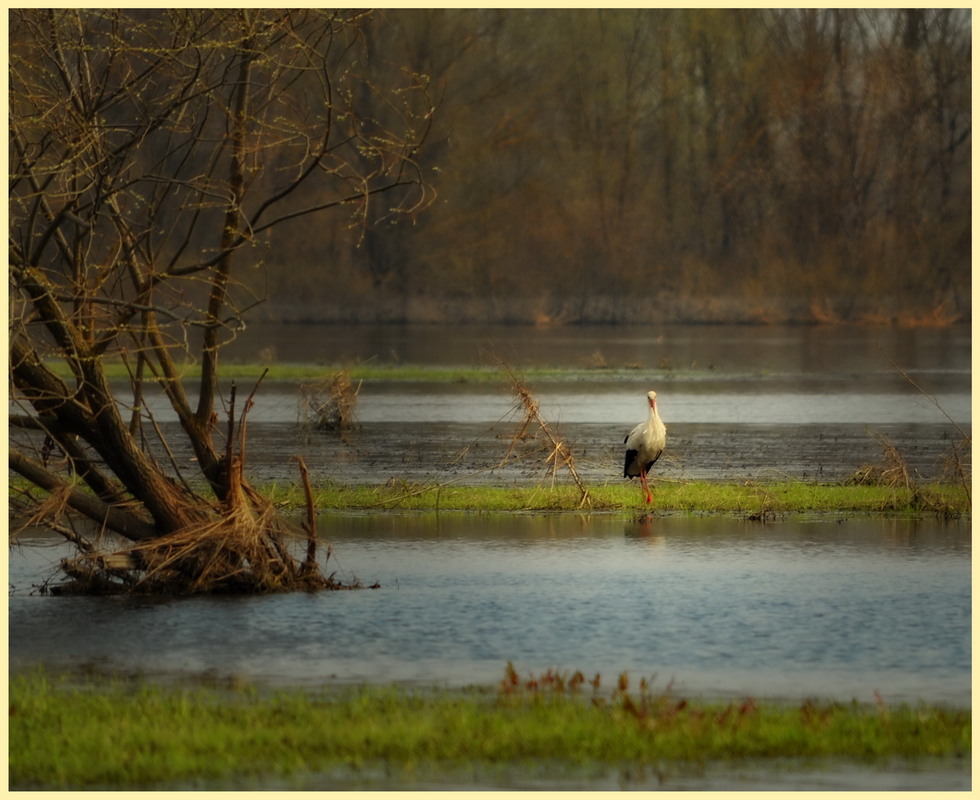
[666,164]
[573,166]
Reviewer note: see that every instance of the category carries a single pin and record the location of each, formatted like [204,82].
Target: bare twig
[931,399]
[249,402]
[559,453]
[310,563]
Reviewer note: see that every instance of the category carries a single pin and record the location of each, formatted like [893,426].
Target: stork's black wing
[630,458]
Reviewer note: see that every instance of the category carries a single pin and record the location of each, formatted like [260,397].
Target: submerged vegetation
[124,735]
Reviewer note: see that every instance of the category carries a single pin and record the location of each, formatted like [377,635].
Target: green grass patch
[754,500]
[751,499]
[115,369]
[115,734]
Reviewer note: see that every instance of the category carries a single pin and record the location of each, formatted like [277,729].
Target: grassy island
[748,499]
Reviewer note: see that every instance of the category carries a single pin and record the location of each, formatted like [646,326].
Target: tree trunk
[138,180]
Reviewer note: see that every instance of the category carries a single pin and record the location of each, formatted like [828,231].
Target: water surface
[741,349]
[740,402]
[713,606]
[710,606]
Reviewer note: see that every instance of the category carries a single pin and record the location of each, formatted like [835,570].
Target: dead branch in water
[310,566]
[559,454]
[932,400]
[957,465]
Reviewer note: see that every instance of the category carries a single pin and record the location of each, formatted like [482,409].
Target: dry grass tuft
[892,471]
[556,450]
[329,403]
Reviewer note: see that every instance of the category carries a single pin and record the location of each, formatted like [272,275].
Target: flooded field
[440,433]
[706,607]
[739,402]
[709,606]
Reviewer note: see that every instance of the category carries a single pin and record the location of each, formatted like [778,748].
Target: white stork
[644,444]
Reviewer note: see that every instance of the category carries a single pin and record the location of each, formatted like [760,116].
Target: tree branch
[230,233]
[116,520]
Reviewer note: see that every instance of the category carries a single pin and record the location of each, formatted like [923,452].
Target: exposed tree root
[241,551]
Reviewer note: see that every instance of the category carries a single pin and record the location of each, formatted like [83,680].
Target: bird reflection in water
[641,527]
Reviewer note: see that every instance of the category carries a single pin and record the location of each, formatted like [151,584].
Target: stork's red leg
[646,487]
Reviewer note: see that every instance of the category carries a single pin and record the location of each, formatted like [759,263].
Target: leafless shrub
[240,545]
[893,472]
[328,404]
[956,466]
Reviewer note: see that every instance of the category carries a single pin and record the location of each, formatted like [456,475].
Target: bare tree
[690,164]
[152,153]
